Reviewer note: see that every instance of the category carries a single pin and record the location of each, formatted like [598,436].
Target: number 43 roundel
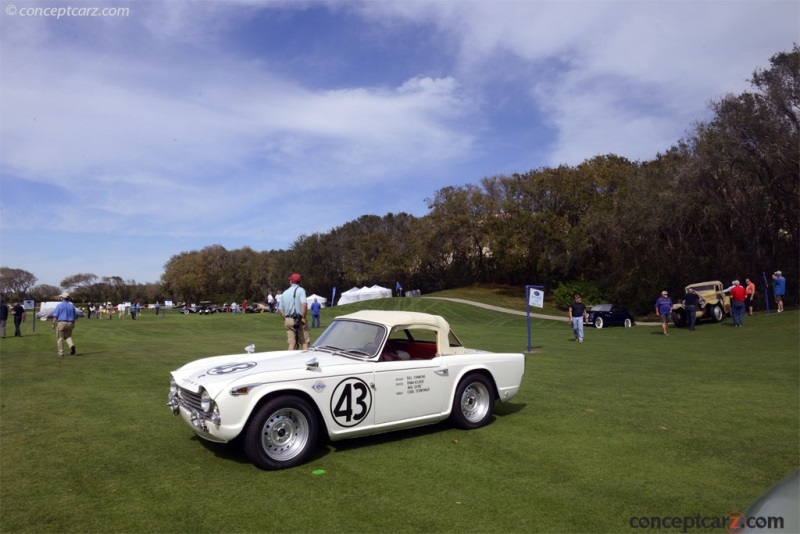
[351,402]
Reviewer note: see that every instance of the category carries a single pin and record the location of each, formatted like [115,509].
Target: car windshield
[709,287]
[601,307]
[352,338]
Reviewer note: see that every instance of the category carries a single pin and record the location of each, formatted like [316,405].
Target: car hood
[218,372]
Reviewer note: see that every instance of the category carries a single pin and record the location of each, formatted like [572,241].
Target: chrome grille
[189,399]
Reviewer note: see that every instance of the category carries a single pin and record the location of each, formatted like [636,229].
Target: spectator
[750,291]
[233,308]
[315,307]
[293,310]
[134,309]
[157,307]
[3,318]
[664,309]
[271,302]
[19,317]
[399,289]
[64,318]
[690,300]
[779,289]
[738,296]
[577,316]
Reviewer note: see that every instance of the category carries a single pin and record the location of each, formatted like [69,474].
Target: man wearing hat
[293,309]
[64,319]
[664,309]
[779,289]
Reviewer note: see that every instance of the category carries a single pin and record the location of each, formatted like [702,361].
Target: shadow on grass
[234,450]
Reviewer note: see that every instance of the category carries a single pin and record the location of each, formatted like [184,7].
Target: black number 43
[352,400]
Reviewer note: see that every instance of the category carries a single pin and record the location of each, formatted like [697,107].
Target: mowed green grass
[629,423]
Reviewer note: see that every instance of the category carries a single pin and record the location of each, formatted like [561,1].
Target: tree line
[722,203]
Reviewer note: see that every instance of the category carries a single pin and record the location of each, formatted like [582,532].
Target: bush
[565,293]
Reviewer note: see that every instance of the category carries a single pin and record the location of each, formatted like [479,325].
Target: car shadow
[234,450]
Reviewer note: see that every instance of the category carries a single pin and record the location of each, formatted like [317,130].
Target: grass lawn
[629,423]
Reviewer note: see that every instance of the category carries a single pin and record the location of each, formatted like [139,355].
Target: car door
[410,389]
[617,315]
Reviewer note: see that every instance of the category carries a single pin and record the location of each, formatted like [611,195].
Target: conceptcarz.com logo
[733,522]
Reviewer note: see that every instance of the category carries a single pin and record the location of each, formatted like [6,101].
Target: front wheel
[473,404]
[598,322]
[282,434]
[717,313]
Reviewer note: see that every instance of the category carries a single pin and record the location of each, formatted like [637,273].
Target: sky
[131,132]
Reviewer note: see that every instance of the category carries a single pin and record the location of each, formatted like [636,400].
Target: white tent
[365,293]
[322,300]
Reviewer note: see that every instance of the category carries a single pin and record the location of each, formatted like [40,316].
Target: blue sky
[127,139]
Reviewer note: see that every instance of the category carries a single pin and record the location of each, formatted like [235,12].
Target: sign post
[534,296]
[30,306]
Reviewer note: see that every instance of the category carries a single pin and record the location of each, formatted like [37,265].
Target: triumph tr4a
[369,372]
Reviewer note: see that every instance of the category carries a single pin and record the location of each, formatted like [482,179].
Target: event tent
[365,293]
[321,300]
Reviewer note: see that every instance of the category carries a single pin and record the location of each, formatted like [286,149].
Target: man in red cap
[293,309]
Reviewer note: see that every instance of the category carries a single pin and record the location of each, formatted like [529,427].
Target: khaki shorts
[303,336]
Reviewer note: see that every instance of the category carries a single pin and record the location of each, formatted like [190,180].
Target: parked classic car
[369,372]
[601,315]
[713,304]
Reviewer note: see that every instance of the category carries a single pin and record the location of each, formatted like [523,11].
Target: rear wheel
[628,323]
[473,404]
[283,433]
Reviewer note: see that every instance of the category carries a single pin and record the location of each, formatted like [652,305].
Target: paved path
[504,310]
[517,312]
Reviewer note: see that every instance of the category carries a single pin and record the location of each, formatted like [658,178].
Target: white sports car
[369,372]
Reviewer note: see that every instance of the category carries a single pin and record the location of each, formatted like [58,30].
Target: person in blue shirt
[63,323]
[315,307]
[664,309]
[779,289]
[293,309]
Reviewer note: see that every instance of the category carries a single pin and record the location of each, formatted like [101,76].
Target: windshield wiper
[357,351]
[330,348]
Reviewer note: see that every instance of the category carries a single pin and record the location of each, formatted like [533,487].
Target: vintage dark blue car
[601,315]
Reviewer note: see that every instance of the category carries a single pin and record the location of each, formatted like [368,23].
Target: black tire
[473,403]
[282,434]
[679,318]
[598,322]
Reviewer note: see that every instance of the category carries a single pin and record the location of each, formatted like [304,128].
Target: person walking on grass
[577,316]
[63,323]
[19,316]
[664,310]
[293,310]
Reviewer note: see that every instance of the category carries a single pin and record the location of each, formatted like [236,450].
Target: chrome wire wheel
[476,401]
[285,434]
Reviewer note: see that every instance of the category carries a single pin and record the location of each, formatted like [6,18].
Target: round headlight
[205,401]
[173,386]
